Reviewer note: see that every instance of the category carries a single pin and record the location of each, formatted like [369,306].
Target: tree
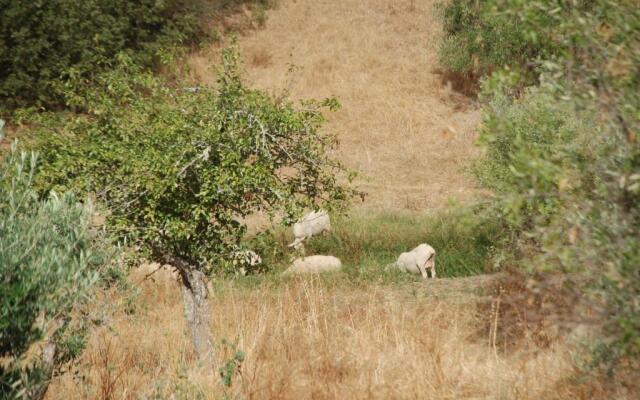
[44,43]
[179,169]
[46,262]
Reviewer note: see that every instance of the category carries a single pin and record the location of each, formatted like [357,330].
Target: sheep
[314,223]
[246,259]
[313,265]
[418,261]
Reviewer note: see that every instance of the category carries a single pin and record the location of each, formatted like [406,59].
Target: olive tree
[47,260]
[180,167]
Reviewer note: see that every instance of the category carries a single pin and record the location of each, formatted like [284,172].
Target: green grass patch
[366,243]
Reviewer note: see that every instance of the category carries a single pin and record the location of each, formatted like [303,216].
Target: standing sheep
[314,223]
[418,261]
[314,264]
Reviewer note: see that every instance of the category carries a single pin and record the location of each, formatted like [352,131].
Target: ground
[412,139]
[310,340]
[400,126]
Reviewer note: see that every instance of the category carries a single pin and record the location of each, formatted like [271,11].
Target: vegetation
[563,153]
[367,245]
[179,168]
[45,43]
[47,260]
[82,59]
[482,36]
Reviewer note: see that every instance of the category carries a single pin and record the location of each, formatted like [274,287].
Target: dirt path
[408,135]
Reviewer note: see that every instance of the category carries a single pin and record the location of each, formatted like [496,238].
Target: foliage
[520,136]
[46,261]
[232,366]
[179,169]
[564,155]
[483,36]
[45,43]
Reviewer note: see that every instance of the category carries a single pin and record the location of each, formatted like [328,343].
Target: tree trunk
[46,366]
[195,295]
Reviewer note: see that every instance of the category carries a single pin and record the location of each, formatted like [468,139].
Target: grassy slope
[364,332]
[367,243]
[408,135]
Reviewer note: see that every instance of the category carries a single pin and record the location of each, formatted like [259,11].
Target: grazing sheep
[418,261]
[314,223]
[314,265]
[246,259]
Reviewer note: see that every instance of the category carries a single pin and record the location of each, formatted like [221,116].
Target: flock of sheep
[420,260]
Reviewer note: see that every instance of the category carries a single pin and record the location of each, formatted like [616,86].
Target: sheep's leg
[433,266]
[430,264]
[300,245]
[423,271]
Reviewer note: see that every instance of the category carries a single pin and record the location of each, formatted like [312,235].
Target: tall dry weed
[307,340]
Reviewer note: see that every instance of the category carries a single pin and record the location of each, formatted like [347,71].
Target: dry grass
[260,58]
[405,130]
[307,341]
[411,136]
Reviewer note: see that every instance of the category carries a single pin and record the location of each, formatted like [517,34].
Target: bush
[44,43]
[484,36]
[533,148]
[564,155]
[46,262]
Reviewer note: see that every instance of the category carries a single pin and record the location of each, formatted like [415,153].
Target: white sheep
[418,261]
[246,259]
[314,223]
[314,265]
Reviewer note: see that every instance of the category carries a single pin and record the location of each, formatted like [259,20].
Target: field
[314,339]
[364,332]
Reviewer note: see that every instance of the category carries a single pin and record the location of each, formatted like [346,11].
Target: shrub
[484,36]
[533,149]
[46,262]
[565,158]
[44,43]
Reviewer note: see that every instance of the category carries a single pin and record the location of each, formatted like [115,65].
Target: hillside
[401,126]
[411,137]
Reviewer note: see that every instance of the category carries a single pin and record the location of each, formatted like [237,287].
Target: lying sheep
[314,223]
[418,261]
[247,260]
[314,265]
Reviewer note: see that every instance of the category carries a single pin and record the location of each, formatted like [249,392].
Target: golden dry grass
[305,340]
[407,133]
[411,137]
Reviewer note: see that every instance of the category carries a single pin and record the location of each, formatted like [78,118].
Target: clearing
[411,137]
